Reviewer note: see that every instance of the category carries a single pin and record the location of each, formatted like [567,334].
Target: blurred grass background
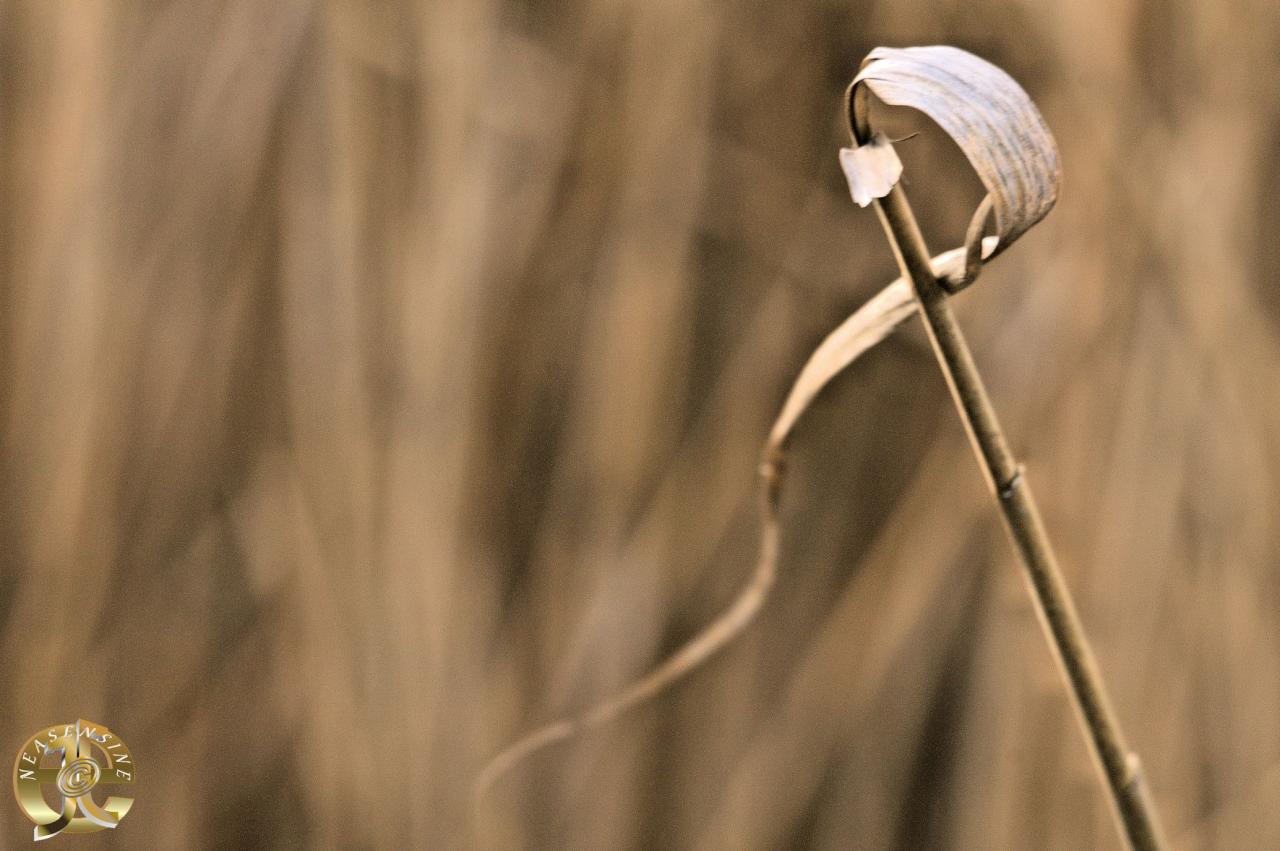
[381,380]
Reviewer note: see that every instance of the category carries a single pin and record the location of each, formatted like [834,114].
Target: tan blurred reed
[379,380]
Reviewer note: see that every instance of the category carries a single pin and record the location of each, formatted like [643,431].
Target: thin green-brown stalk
[1119,766]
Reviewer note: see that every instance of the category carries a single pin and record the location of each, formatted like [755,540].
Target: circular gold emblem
[72,760]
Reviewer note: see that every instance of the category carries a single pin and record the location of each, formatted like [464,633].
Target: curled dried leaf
[870,324]
[984,111]
[1002,134]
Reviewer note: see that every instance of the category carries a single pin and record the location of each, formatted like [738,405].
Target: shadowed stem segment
[1120,767]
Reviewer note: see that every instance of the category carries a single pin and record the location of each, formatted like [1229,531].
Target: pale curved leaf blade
[989,117]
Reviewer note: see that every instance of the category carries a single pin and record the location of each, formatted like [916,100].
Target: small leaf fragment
[871,169]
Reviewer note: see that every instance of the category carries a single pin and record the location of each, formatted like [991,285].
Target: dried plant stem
[1119,766]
